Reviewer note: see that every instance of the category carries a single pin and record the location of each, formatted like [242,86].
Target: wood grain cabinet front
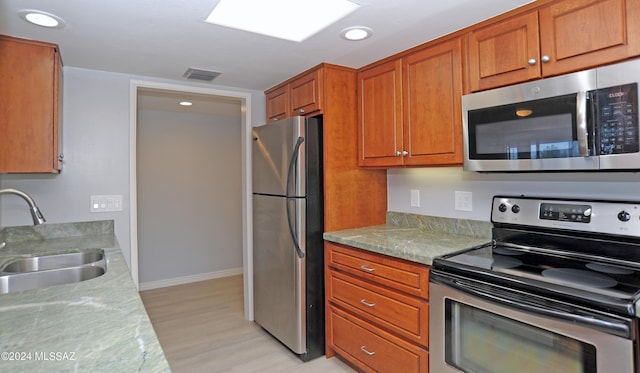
[299,96]
[353,197]
[30,109]
[410,109]
[557,38]
[377,310]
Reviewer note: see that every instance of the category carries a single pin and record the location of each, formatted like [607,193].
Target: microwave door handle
[581,124]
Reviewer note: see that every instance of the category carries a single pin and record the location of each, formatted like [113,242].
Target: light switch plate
[415,198]
[464,201]
[106,203]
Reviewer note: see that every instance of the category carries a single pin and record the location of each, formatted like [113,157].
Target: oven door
[475,327]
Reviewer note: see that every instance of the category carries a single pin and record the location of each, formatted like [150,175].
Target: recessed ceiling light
[293,20]
[41,18]
[186,103]
[356,33]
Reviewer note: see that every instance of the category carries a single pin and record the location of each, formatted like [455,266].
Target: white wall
[189,170]
[96,149]
[437,188]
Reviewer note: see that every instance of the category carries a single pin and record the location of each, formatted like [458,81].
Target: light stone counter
[417,238]
[98,325]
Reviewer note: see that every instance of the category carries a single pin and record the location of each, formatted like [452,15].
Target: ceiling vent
[203,75]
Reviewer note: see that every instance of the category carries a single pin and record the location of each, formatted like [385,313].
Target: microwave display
[618,119]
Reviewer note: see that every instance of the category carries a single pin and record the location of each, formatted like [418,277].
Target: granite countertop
[417,238]
[98,325]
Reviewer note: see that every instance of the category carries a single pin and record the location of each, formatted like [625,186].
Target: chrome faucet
[36,215]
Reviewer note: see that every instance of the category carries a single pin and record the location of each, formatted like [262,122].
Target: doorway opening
[189,181]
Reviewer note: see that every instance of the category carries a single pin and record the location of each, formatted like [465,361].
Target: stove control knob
[624,216]
[502,207]
[587,212]
[515,209]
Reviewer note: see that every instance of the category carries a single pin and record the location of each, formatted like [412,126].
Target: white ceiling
[162,38]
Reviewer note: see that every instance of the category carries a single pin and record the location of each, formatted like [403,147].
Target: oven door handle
[614,325]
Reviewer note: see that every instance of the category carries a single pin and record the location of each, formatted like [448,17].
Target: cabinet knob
[274,118]
[398,153]
[532,61]
[545,58]
[405,153]
[301,111]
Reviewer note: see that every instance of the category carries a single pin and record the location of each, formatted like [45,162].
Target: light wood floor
[201,328]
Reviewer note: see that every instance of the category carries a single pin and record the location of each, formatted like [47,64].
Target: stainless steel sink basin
[46,262]
[14,282]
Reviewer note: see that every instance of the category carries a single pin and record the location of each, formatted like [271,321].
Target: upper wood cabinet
[30,109]
[278,103]
[579,34]
[557,38]
[409,109]
[353,197]
[380,114]
[301,96]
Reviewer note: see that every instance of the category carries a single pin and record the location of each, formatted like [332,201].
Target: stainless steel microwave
[576,122]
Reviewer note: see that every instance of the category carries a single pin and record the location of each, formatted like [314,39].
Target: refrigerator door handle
[292,163]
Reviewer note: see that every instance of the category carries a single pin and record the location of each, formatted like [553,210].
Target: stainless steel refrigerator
[288,280]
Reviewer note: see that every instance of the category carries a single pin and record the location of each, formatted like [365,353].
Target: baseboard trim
[188,279]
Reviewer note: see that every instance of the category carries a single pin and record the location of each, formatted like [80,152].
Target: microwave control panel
[618,119]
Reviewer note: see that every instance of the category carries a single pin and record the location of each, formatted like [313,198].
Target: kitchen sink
[49,270]
[47,262]
[14,282]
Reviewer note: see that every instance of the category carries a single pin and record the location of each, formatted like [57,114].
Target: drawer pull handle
[367,352]
[367,303]
[365,268]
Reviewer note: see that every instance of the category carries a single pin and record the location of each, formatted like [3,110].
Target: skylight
[294,20]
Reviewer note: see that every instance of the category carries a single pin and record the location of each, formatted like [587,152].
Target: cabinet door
[579,34]
[504,53]
[380,115]
[432,107]
[278,103]
[306,94]
[29,113]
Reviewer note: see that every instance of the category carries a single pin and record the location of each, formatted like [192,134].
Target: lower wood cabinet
[377,310]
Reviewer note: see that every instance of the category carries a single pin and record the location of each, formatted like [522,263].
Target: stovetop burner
[581,278]
[560,269]
[582,251]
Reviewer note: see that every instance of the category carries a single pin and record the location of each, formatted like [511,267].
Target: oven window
[482,342]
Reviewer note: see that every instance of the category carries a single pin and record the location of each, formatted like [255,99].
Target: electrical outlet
[415,198]
[106,203]
[464,201]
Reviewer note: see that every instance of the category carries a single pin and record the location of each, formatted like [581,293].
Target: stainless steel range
[556,290]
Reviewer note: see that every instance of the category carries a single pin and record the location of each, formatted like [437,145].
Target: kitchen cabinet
[30,110]
[377,310]
[353,197]
[299,96]
[557,38]
[278,103]
[409,108]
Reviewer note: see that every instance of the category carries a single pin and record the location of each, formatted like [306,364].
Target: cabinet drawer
[384,270]
[373,349]
[404,315]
